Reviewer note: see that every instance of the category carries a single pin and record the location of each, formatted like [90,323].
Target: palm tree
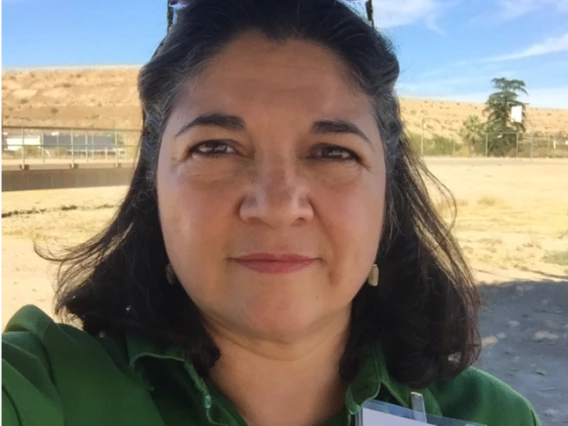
[471,131]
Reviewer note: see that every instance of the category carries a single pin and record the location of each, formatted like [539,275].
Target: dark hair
[425,307]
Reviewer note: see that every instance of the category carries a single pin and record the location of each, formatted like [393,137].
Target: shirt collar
[138,347]
[372,374]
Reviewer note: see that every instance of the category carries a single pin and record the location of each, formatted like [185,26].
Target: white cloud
[550,45]
[396,13]
[512,9]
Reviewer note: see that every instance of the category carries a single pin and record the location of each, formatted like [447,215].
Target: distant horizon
[432,97]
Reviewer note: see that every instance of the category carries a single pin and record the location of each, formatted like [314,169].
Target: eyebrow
[234,122]
[338,126]
[229,122]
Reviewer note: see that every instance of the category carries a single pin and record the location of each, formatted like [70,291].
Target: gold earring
[373,278]
[170,274]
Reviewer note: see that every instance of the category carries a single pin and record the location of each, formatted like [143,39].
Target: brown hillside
[107,98]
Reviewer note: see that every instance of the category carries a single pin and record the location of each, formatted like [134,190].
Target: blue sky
[448,49]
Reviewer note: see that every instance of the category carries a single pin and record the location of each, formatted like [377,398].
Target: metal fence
[45,145]
[504,144]
[525,145]
[23,146]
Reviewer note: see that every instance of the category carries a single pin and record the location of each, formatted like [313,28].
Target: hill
[106,97]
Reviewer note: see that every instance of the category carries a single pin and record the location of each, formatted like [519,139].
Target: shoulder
[30,331]
[27,370]
[480,397]
[45,366]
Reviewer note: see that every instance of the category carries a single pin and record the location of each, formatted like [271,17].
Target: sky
[448,49]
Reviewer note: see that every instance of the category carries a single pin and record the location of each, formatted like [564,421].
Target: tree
[471,132]
[501,131]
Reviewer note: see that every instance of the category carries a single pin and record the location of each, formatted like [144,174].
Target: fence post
[517,145]
[72,148]
[115,148]
[23,149]
[42,144]
[548,146]
[486,144]
[422,140]
[532,143]
[87,146]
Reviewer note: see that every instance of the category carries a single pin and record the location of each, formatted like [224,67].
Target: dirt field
[512,224]
[106,97]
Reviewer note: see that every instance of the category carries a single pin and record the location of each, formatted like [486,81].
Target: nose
[277,197]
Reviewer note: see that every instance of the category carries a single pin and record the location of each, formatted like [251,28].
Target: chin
[282,324]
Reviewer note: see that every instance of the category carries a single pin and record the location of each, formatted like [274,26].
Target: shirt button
[207,401]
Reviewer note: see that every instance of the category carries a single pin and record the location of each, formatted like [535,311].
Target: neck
[276,383]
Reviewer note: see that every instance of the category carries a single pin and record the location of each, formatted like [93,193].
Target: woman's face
[271,189]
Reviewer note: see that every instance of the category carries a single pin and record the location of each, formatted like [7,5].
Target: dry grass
[107,97]
[559,257]
[509,213]
[70,215]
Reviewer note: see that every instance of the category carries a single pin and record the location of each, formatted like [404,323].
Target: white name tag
[379,413]
[376,418]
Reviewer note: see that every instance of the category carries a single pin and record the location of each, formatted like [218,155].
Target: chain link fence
[23,146]
[523,145]
[42,145]
[494,144]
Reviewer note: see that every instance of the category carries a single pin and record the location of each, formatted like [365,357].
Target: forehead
[296,76]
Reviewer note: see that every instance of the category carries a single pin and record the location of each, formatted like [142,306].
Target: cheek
[353,219]
[355,199]
[193,209]
[197,204]
[333,176]
[195,225]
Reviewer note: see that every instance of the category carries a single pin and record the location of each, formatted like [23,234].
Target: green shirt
[56,375]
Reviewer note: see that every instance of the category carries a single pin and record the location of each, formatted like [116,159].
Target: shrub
[440,145]
[557,257]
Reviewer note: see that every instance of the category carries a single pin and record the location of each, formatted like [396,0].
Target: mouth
[274,264]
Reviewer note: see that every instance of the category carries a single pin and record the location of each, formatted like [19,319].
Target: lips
[274,263]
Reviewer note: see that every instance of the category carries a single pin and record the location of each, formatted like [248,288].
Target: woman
[276,261]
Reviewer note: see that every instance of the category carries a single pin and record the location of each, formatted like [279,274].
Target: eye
[211,149]
[335,153]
